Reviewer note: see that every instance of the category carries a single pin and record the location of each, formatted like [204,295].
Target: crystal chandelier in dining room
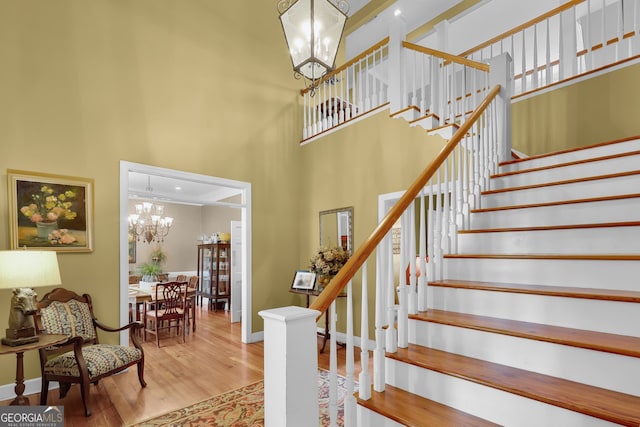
[148,221]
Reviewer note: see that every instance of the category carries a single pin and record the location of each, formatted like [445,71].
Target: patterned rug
[243,407]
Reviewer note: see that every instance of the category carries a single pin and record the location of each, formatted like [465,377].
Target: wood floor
[212,361]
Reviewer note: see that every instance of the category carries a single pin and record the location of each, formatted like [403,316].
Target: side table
[46,340]
[309,293]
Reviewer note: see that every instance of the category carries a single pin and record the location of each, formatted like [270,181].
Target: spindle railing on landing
[577,38]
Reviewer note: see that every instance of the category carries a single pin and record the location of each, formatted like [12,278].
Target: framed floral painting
[50,212]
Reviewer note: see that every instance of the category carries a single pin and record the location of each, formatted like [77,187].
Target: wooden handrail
[524,26]
[354,263]
[447,56]
[348,63]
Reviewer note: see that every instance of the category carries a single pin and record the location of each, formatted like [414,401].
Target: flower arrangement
[47,206]
[328,261]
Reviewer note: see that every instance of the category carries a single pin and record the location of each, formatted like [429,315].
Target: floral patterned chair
[81,359]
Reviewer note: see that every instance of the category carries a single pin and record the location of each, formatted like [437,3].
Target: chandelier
[313,29]
[148,222]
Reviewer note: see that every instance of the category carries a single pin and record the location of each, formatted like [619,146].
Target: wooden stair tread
[558,291]
[412,410]
[570,150]
[562,182]
[580,257]
[597,402]
[553,227]
[592,340]
[558,203]
[572,163]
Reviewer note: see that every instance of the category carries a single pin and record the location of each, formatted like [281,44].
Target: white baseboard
[32,386]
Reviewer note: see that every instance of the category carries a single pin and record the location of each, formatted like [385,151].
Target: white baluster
[392,332]
[424,69]
[548,55]
[364,379]
[431,273]
[523,79]
[446,243]
[379,351]
[535,57]
[412,303]
[620,33]
[414,89]
[422,282]
[333,367]
[349,400]
[403,320]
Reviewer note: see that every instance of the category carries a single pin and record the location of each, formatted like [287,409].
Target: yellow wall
[201,86]
[600,109]
[352,167]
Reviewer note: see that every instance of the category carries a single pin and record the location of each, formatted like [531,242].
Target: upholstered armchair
[81,359]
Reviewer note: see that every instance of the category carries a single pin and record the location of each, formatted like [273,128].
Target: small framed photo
[304,280]
[50,212]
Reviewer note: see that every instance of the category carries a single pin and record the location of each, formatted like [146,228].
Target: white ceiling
[174,190]
[414,13]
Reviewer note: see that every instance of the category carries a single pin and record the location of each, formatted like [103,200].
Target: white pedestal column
[290,367]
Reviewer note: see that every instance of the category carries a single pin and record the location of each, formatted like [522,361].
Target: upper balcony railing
[576,38]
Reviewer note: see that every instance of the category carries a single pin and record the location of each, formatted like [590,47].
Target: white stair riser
[369,418]
[603,240]
[581,273]
[556,193]
[578,213]
[604,315]
[622,147]
[491,404]
[561,361]
[581,170]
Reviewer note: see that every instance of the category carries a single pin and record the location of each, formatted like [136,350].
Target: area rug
[243,407]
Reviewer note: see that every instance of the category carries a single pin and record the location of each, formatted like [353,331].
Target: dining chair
[181,278]
[192,285]
[163,277]
[168,310]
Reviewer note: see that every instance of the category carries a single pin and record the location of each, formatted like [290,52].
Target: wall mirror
[336,228]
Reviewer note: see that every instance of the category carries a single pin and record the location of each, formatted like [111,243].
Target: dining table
[145,296]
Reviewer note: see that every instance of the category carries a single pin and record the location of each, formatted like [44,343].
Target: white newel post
[397,33]
[502,74]
[290,367]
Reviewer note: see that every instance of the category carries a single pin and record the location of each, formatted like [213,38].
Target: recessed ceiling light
[178,188]
[397,12]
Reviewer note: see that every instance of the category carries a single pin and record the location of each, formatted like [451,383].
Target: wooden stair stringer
[597,402]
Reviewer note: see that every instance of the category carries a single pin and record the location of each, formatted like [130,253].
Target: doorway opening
[195,189]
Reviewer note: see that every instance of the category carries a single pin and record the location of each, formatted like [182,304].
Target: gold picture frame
[50,212]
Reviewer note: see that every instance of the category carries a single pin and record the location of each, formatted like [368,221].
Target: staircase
[537,322]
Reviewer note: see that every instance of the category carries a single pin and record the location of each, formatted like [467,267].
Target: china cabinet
[214,261]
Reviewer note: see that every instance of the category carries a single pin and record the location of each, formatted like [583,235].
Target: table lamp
[23,270]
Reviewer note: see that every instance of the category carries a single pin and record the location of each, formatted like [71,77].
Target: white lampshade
[28,269]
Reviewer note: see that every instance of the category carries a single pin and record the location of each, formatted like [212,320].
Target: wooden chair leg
[64,389]
[141,373]
[44,391]
[84,391]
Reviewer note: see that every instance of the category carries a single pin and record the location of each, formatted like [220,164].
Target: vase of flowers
[326,263]
[47,207]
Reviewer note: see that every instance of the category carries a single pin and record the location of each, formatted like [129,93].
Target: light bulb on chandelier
[148,222]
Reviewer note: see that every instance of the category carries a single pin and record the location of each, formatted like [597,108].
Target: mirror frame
[349,210]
